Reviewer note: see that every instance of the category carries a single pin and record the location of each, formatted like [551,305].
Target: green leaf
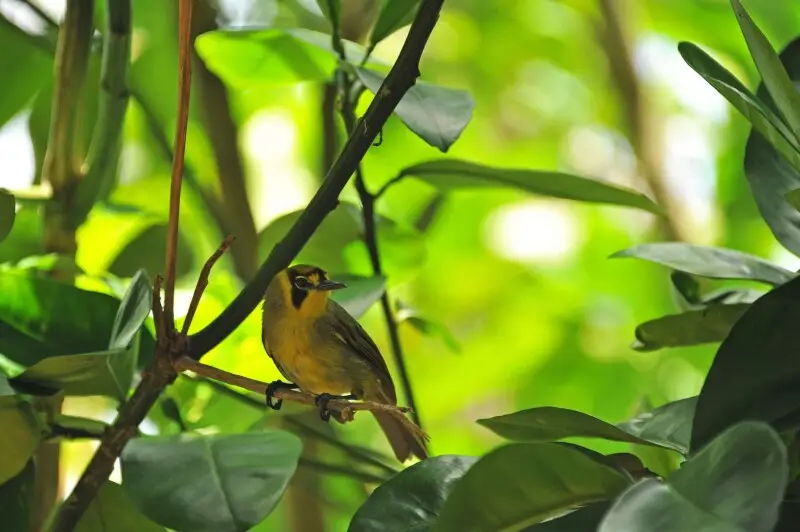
[17,498]
[331,10]
[686,289]
[769,65]
[549,423]
[411,500]
[132,312]
[735,484]
[223,482]
[100,373]
[754,109]
[449,174]
[361,293]
[772,174]
[428,327]
[755,370]
[21,435]
[706,261]
[669,425]
[8,212]
[394,15]
[112,511]
[82,427]
[435,114]
[22,73]
[695,327]
[525,483]
[584,519]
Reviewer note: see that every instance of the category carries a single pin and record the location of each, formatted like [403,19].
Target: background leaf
[209,483]
[411,500]
[20,435]
[7,213]
[17,496]
[361,293]
[711,324]
[112,511]
[394,15]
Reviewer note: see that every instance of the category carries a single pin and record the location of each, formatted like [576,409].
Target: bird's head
[308,286]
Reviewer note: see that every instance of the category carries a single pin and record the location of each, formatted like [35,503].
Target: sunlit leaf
[394,15]
[361,293]
[112,511]
[735,484]
[448,174]
[412,499]
[754,372]
[773,73]
[695,327]
[525,483]
[436,114]
[17,498]
[21,433]
[706,261]
[222,482]
[7,213]
[22,73]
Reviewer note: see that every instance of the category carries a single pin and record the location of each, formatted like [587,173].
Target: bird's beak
[330,285]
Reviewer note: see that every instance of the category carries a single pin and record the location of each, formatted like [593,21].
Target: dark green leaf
[705,261]
[447,174]
[411,500]
[112,511]
[76,427]
[755,109]
[7,213]
[711,324]
[436,114]
[772,174]
[736,483]
[686,288]
[550,423]
[755,370]
[525,483]
[132,312]
[585,519]
[669,425]
[215,483]
[394,15]
[769,65]
[360,294]
[17,499]
[100,373]
[22,73]
[20,438]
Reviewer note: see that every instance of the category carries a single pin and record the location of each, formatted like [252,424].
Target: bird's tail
[405,438]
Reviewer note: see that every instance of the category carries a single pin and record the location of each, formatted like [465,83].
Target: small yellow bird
[321,349]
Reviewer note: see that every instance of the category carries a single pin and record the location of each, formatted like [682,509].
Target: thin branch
[202,283]
[346,409]
[402,77]
[184,86]
[33,6]
[336,469]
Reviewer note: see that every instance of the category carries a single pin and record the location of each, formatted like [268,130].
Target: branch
[202,283]
[402,77]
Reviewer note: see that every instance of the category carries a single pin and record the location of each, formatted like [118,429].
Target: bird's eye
[302,282]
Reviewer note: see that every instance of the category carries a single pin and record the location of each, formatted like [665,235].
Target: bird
[322,350]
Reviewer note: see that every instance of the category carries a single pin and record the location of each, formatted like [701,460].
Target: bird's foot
[273,387]
[322,402]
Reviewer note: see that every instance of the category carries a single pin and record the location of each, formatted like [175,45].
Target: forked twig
[202,282]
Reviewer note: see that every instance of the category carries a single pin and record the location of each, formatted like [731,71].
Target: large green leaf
[735,484]
[394,15]
[524,483]
[21,73]
[773,74]
[412,499]
[436,114]
[755,372]
[100,373]
[21,433]
[706,261]
[17,498]
[133,310]
[215,483]
[361,293]
[111,511]
[550,423]
[771,172]
[448,174]
[695,327]
[754,108]
[7,213]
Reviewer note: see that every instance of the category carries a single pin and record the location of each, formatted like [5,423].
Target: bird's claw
[322,402]
[273,387]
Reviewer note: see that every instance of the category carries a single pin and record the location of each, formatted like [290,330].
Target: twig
[402,77]
[202,282]
[33,6]
[346,409]
[184,86]
[335,469]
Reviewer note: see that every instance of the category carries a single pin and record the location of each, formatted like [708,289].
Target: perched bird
[321,349]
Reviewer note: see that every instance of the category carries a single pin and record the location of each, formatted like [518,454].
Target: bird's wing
[351,333]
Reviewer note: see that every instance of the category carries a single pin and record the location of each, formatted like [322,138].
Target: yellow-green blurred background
[523,283]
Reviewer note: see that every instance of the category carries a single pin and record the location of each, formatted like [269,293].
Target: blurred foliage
[511,275]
